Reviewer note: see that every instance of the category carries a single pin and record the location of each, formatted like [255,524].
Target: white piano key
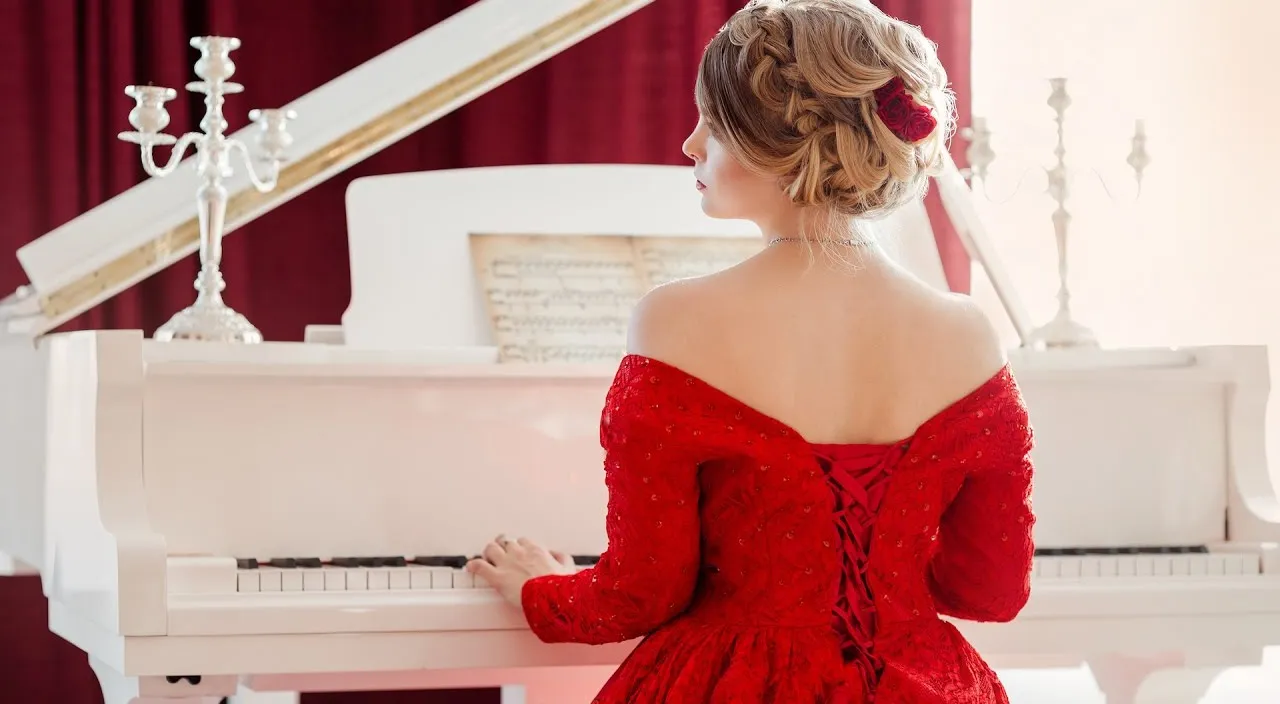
[290,580]
[269,579]
[357,580]
[312,580]
[441,578]
[399,578]
[1069,567]
[335,579]
[248,581]
[419,578]
[378,579]
[463,579]
[1127,566]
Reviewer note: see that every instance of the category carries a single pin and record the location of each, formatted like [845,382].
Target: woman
[811,455]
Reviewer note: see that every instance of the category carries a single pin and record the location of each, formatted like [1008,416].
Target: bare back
[841,352]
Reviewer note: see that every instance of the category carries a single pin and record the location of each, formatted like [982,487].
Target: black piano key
[345,562]
[585,560]
[284,563]
[457,562]
[246,563]
[308,562]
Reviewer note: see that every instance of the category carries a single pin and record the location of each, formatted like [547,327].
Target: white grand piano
[211,521]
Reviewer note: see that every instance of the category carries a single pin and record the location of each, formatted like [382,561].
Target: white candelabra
[1063,330]
[209,318]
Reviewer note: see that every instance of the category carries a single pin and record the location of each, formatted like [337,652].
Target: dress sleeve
[982,568]
[649,571]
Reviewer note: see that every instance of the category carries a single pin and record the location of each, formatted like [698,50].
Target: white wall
[1197,259]
[1192,261]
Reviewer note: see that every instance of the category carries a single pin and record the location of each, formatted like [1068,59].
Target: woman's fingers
[494,553]
[482,568]
[523,554]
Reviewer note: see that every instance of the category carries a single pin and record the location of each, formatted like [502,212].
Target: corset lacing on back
[858,476]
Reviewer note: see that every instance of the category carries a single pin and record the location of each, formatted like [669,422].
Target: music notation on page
[568,298]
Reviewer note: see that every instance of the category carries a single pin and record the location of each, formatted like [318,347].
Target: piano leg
[1165,678]
[569,685]
[192,689]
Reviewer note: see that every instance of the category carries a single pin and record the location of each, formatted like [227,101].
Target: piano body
[210,520]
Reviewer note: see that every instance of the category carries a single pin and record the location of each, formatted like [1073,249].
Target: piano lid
[153,224]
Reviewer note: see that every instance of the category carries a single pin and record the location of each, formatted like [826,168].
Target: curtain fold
[624,95]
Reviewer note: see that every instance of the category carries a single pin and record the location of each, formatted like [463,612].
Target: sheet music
[665,259]
[556,299]
[569,298]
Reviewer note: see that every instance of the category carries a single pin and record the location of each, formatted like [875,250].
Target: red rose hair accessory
[899,111]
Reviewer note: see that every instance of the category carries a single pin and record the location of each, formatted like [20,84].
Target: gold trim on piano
[246,205]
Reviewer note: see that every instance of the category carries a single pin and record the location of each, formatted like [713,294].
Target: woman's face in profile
[729,190]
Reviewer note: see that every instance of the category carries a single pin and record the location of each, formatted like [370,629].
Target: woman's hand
[508,564]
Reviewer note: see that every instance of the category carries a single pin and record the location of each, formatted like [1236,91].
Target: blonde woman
[811,456]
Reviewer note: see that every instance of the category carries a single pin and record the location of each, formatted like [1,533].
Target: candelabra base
[1063,332]
[205,321]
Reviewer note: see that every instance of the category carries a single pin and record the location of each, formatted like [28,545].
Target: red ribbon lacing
[858,476]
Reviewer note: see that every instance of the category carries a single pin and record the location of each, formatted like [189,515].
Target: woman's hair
[789,87]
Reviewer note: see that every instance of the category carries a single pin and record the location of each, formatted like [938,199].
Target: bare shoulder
[969,348]
[670,320]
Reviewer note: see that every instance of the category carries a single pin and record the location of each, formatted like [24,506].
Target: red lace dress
[765,569]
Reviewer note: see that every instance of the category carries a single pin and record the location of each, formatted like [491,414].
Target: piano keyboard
[446,572]
[1138,562]
[361,574]
[211,596]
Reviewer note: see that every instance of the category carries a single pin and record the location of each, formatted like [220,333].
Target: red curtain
[622,96]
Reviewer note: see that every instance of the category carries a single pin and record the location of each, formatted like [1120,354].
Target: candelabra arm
[262,183]
[175,154]
[1017,187]
[1102,181]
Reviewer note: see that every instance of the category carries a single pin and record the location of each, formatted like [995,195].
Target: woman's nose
[693,144]
[687,148]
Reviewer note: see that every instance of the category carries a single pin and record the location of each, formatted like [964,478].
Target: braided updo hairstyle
[788,86]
